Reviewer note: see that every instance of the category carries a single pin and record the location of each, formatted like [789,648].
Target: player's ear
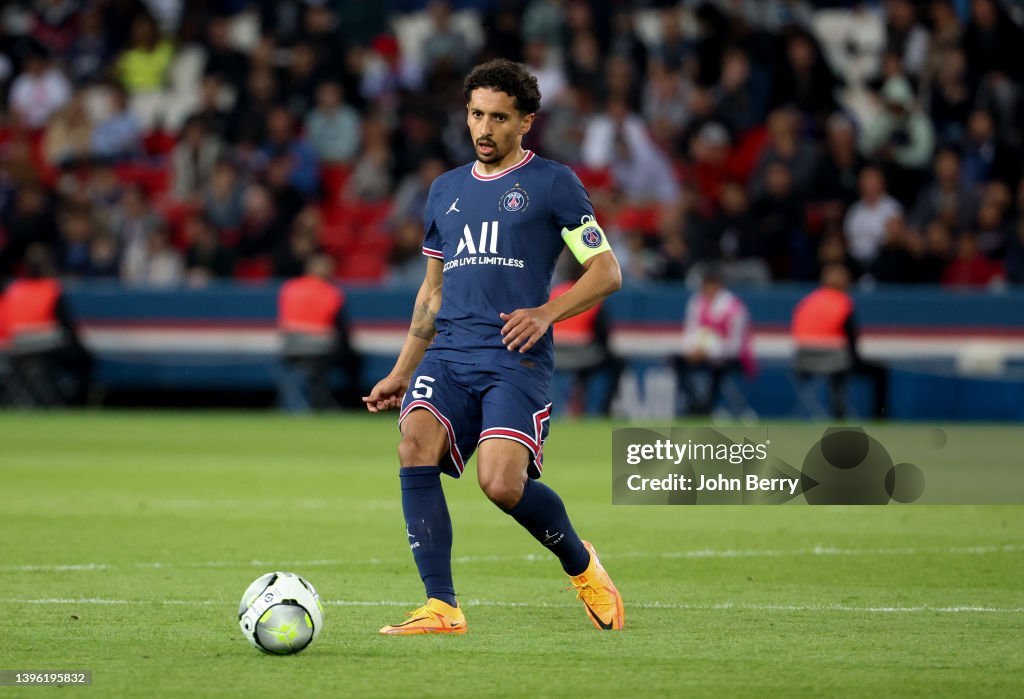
[524,128]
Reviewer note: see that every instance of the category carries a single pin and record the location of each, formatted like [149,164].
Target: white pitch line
[715,606]
[529,558]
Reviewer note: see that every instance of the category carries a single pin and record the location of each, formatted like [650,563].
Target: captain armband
[586,241]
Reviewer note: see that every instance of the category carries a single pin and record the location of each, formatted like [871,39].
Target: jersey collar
[487,178]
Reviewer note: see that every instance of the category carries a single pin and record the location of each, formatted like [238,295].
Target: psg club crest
[514,199]
[591,237]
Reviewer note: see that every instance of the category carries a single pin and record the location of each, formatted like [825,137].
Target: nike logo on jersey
[452,207]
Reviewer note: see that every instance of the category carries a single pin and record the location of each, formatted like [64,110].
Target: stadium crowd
[170,142]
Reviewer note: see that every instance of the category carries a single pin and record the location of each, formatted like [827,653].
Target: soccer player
[475,370]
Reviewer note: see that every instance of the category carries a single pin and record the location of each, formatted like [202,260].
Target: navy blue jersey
[499,237]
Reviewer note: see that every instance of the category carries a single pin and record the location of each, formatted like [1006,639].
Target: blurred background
[166,166]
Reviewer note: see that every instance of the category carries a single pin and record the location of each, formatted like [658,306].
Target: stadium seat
[362,268]
[594,179]
[254,269]
[332,181]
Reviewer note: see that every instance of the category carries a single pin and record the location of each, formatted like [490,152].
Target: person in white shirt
[717,339]
[864,226]
[39,92]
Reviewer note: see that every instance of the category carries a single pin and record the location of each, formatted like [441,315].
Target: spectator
[738,102]
[778,216]
[672,48]
[119,135]
[333,127]
[991,42]
[804,80]
[709,152]
[901,139]
[583,65]
[564,126]
[410,198]
[970,267]
[732,233]
[834,185]
[301,80]
[68,136]
[406,262]
[222,199]
[371,179]
[89,52]
[40,91]
[223,61]
[950,98]
[133,222]
[984,157]
[673,260]
[284,141]
[1015,254]
[864,226]
[28,220]
[261,228]
[717,340]
[142,67]
[945,198]
[446,46]
[77,231]
[194,159]
[894,262]
[991,230]
[303,242]
[288,200]
[936,253]
[205,258]
[157,264]
[619,140]
[248,120]
[905,36]
[665,104]
[785,146]
[215,118]
[546,67]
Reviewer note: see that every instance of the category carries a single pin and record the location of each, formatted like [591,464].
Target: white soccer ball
[280,613]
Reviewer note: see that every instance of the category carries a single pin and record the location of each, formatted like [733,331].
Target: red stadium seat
[255,269]
[362,267]
[595,179]
[332,181]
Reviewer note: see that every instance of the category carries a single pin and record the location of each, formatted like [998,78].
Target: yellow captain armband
[586,240]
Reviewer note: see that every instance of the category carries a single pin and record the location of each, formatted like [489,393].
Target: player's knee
[503,488]
[414,450]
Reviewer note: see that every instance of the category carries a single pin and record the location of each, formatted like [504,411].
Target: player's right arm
[389,391]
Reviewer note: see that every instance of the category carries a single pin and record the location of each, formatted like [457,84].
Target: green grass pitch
[127,539]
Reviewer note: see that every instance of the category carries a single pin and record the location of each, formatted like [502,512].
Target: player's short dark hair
[509,77]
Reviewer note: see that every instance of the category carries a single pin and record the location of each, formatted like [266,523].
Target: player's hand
[523,327]
[387,394]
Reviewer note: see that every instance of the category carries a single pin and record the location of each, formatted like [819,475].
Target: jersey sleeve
[574,215]
[431,236]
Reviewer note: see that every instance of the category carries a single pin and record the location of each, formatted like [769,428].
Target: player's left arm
[525,326]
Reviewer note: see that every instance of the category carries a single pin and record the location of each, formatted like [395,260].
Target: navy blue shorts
[475,403]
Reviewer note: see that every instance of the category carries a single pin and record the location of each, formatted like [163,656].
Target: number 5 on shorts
[423,390]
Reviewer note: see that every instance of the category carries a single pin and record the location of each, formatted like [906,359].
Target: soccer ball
[280,613]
